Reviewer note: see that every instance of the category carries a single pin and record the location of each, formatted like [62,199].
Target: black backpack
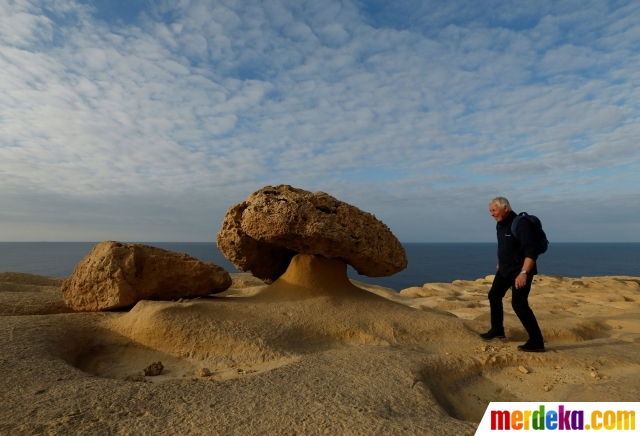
[541,237]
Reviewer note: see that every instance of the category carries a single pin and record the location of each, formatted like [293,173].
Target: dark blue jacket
[512,251]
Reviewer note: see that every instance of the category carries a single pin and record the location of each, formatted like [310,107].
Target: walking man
[516,268]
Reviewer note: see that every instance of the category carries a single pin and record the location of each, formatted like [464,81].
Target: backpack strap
[516,220]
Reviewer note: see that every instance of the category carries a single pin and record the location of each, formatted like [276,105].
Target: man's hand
[521,280]
[498,266]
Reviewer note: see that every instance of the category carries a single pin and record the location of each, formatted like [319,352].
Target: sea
[428,262]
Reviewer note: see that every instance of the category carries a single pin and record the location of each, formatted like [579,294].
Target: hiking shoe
[492,335]
[531,347]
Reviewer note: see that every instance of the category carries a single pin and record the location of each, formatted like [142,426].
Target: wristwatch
[524,271]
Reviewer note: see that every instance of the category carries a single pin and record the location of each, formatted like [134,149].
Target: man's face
[497,212]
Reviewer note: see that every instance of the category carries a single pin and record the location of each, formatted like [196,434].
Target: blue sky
[145,121]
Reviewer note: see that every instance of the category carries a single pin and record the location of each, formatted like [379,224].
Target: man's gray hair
[501,202]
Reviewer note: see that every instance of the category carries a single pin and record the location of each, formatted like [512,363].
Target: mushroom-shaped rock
[263,233]
[119,275]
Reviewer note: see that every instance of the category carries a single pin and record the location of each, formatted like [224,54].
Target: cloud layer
[146,124]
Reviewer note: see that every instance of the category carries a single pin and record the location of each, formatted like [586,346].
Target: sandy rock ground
[28,294]
[360,360]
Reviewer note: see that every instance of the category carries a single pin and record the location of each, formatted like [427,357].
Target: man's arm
[528,264]
[526,237]
[529,250]
[521,280]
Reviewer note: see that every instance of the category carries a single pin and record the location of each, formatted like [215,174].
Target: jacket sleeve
[526,236]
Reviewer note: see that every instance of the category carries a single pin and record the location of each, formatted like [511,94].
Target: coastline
[428,262]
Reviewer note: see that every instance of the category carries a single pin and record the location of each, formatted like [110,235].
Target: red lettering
[500,420]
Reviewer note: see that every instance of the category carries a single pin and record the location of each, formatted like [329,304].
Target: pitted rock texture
[272,225]
[117,275]
[154,369]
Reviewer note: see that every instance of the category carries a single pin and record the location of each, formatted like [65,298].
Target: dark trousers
[519,302]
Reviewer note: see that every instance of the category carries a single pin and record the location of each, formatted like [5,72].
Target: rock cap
[263,233]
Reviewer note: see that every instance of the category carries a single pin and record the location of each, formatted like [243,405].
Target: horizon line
[213,242]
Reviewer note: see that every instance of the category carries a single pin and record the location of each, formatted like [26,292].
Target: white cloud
[221,98]
[21,25]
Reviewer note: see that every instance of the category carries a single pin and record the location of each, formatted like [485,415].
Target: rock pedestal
[310,276]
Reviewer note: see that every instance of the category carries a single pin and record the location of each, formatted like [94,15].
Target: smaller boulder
[136,377]
[154,369]
[117,275]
